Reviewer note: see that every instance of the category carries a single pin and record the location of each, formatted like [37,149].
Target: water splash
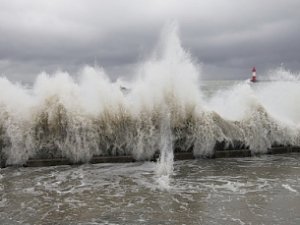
[164,168]
[78,117]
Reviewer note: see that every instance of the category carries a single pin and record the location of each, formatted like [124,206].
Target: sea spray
[164,166]
[78,117]
[168,79]
[259,112]
[16,142]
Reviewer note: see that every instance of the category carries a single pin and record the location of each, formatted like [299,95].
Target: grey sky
[227,37]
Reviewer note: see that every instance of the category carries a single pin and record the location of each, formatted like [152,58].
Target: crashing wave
[77,119]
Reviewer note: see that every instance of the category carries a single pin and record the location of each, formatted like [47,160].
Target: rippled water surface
[258,190]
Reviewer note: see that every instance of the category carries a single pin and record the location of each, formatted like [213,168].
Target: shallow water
[258,190]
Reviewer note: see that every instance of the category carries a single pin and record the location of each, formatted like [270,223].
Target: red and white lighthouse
[253,79]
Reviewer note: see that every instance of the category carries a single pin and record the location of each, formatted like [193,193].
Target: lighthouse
[253,79]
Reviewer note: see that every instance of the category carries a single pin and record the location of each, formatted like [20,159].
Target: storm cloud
[227,37]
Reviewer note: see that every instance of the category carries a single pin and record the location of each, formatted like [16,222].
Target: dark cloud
[226,36]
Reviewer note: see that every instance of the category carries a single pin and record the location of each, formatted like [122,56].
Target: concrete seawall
[35,162]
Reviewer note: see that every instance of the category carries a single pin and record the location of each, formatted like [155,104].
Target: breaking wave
[64,116]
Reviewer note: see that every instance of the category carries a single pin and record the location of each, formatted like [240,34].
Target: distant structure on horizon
[253,78]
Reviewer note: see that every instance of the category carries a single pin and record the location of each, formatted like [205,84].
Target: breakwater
[225,153]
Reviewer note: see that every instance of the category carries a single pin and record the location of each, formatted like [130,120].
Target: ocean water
[256,190]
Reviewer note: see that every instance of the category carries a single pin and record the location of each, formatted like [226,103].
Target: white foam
[78,117]
[288,187]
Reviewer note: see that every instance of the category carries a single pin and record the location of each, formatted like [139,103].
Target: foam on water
[78,117]
[288,187]
[261,189]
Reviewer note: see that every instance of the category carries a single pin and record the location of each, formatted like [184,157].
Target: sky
[225,37]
